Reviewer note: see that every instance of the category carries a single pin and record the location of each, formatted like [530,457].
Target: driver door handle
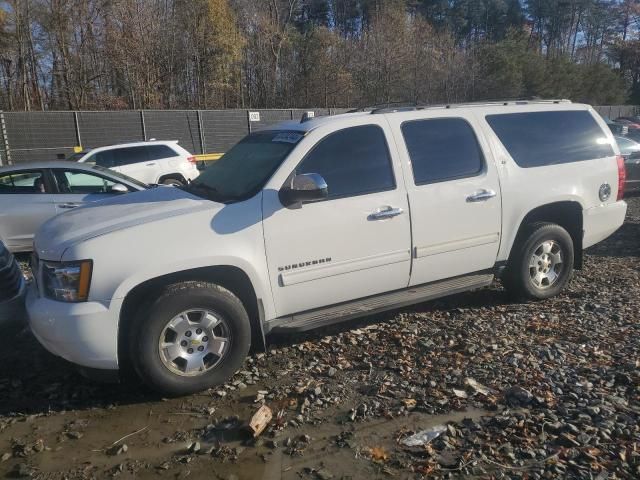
[385,212]
[68,205]
[481,196]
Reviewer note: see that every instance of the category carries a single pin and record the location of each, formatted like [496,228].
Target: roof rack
[516,101]
[377,106]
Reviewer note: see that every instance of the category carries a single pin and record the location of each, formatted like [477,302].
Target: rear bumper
[12,312]
[85,334]
[190,172]
[601,221]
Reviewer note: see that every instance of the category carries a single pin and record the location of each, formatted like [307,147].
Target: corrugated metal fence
[33,136]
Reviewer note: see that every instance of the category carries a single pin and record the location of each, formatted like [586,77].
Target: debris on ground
[424,437]
[260,420]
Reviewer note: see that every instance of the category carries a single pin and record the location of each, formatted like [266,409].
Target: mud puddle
[89,442]
[327,450]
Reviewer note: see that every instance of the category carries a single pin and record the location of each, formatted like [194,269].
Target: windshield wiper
[204,186]
[209,192]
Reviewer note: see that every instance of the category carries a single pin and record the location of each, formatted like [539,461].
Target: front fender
[171,268]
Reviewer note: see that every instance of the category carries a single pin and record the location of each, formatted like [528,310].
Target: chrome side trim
[457,245]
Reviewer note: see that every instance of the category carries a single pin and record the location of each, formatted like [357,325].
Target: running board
[311,319]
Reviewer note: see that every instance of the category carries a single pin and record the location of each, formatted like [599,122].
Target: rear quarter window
[158,152]
[535,139]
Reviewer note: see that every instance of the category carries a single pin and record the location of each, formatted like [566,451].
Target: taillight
[192,159]
[622,176]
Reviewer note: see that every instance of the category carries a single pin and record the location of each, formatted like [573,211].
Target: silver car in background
[32,193]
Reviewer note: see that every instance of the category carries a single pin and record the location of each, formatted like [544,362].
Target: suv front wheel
[541,263]
[194,336]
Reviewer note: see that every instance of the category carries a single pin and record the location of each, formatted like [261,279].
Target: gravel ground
[502,390]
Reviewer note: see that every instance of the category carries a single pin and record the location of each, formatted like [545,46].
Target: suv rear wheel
[541,263]
[194,336]
[173,181]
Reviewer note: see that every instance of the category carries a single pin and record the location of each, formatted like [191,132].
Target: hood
[125,211]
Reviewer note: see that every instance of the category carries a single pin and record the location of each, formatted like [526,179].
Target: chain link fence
[35,136]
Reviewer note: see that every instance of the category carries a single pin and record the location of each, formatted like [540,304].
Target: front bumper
[12,312]
[85,334]
[601,221]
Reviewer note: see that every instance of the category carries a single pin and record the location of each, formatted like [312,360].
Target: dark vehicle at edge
[630,150]
[12,292]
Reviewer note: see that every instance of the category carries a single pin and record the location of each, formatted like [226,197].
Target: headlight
[67,281]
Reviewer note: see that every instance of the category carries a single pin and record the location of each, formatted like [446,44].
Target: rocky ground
[490,388]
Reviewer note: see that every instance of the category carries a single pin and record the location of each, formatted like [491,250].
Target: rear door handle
[481,196]
[68,205]
[385,212]
[150,164]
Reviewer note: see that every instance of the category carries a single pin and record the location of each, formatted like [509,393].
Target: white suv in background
[152,162]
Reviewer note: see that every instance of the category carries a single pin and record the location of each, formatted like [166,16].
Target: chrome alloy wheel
[545,266]
[193,342]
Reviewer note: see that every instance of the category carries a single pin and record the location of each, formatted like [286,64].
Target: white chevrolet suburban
[319,221]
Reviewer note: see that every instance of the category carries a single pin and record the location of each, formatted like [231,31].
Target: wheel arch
[175,176]
[567,214]
[230,277]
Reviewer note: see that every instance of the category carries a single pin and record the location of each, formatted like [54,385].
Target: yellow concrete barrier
[208,157]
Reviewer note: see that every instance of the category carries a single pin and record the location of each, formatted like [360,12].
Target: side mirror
[118,188]
[634,155]
[308,187]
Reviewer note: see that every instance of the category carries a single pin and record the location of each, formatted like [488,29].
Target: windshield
[242,171]
[121,176]
[77,156]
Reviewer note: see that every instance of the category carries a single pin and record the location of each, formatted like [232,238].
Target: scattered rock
[117,449]
[324,474]
[517,396]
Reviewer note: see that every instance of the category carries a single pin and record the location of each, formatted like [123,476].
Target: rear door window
[25,182]
[157,152]
[442,149]
[129,155]
[534,139]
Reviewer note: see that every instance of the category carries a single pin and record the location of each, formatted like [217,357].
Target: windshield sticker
[287,137]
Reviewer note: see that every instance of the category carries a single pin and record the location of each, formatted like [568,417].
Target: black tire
[173,181]
[518,276]
[152,318]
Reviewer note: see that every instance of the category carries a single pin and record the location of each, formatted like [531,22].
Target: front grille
[10,279]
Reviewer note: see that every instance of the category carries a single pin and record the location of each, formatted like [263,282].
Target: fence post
[77,125]
[5,140]
[202,140]
[249,120]
[144,127]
